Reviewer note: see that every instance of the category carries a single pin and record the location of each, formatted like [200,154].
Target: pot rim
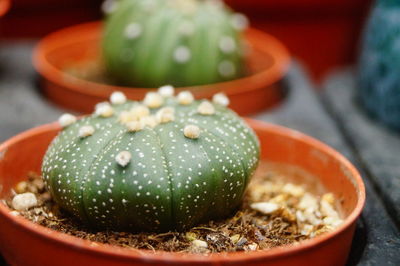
[280,58]
[4,6]
[162,256]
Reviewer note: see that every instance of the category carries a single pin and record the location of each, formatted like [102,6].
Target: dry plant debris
[274,213]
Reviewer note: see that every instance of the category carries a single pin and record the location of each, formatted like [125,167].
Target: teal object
[379,65]
[166,163]
[149,43]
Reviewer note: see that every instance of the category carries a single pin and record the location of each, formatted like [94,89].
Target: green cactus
[166,163]
[149,43]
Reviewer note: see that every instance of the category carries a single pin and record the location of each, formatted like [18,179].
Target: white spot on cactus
[226,68]
[153,100]
[24,201]
[221,99]
[123,158]
[227,44]
[135,126]
[166,91]
[191,131]
[206,108]
[165,115]
[186,28]
[139,112]
[265,207]
[86,131]
[104,110]
[133,31]
[185,97]
[182,54]
[109,6]
[66,120]
[239,21]
[118,97]
[149,121]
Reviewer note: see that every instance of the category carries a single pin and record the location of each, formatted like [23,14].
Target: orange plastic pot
[322,34]
[268,63]
[25,243]
[4,6]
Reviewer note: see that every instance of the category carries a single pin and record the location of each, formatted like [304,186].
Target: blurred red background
[322,33]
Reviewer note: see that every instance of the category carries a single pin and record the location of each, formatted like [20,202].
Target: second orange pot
[73,46]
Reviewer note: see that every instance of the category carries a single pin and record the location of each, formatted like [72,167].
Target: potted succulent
[170,163]
[200,46]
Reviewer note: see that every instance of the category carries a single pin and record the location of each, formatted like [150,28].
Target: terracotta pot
[323,34]
[4,6]
[25,243]
[268,63]
[331,5]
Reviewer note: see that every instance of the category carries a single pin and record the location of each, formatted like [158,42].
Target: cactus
[148,43]
[166,163]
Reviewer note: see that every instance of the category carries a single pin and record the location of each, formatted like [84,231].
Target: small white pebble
[182,54]
[239,21]
[308,201]
[332,221]
[153,100]
[328,197]
[133,31]
[227,44]
[252,247]
[265,207]
[200,243]
[185,97]
[14,213]
[206,108]
[135,126]
[296,191]
[118,98]
[104,110]
[166,91]
[191,131]
[327,209]
[86,131]
[123,158]
[307,230]
[221,99]
[66,120]
[24,201]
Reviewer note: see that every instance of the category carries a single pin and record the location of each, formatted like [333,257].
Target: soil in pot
[283,206]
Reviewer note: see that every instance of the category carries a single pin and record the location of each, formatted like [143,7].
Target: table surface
[332,116]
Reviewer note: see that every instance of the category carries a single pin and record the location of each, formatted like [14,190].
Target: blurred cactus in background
[379,69]
[149,43]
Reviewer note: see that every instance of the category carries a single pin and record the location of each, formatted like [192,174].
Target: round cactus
[166,163]
[149,43]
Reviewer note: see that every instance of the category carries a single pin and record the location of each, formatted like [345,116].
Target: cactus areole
[166,163]
[180,42]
